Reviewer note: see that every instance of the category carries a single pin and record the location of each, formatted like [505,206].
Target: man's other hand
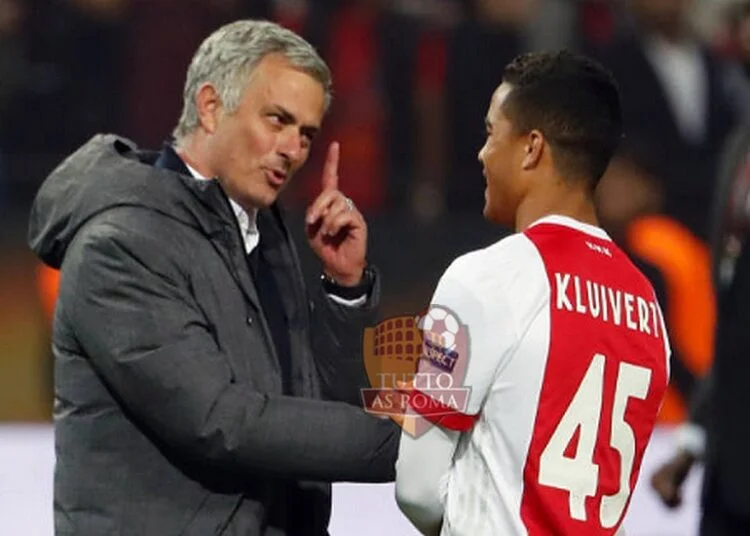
[668,479]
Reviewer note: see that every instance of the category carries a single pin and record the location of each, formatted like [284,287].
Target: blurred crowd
[412,81]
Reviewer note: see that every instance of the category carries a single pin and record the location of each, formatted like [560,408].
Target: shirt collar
[248,222]
[567,221]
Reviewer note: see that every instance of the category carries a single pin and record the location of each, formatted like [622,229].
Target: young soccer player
[567,360]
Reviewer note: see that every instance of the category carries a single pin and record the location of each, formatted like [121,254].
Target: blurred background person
[677,110]
[715,433]
[734,44]
[630,201]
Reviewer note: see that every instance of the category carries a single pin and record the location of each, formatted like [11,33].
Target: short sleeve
[477,335]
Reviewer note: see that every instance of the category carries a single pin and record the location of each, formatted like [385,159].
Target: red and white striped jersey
[568,365]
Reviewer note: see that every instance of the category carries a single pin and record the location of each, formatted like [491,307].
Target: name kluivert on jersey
[603,303]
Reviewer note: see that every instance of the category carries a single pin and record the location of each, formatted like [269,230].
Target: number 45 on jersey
[579,476]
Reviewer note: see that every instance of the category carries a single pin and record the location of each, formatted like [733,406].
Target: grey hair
[227,58]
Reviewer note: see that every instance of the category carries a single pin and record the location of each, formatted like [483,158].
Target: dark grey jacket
[169,417]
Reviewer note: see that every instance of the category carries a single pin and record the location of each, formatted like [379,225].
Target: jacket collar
[209,192]
[169,159]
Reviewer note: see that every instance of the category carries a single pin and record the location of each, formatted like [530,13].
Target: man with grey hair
[198,389]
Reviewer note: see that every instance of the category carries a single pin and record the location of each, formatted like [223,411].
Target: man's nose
[290,144]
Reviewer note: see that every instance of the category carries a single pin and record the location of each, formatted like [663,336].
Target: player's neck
[574,203]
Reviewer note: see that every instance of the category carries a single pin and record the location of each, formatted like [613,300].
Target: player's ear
[533,149]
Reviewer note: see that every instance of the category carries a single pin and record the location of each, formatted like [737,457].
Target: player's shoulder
[566,242]
[508,261]
[636,272]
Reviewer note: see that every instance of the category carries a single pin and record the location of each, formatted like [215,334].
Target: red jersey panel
[605,376]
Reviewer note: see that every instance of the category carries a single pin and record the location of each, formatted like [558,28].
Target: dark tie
[273,309]
[253,260]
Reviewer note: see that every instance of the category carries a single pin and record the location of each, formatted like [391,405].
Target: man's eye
[276,119]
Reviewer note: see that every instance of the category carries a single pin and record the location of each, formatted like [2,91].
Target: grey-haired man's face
[256,149]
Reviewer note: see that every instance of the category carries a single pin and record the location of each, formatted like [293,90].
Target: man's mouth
[276,176]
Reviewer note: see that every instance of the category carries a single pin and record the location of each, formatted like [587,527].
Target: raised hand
[335,229]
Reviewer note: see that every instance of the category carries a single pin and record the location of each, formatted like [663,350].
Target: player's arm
[424,463]
[422,472]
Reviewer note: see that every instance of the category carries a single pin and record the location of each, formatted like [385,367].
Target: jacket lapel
[280,253]
[221,226]
[276,254]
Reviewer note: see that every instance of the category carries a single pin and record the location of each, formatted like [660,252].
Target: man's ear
[533,149]
[209,107]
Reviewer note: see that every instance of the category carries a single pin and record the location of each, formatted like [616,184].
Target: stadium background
[412,82]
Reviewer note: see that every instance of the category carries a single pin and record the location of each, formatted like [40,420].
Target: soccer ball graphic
[440,326]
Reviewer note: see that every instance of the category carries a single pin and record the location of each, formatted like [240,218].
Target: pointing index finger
[331,168]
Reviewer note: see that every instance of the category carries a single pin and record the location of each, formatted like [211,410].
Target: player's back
[576,362]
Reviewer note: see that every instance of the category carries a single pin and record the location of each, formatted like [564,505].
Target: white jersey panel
[509,354]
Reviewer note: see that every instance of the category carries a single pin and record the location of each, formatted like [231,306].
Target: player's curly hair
[574,102]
